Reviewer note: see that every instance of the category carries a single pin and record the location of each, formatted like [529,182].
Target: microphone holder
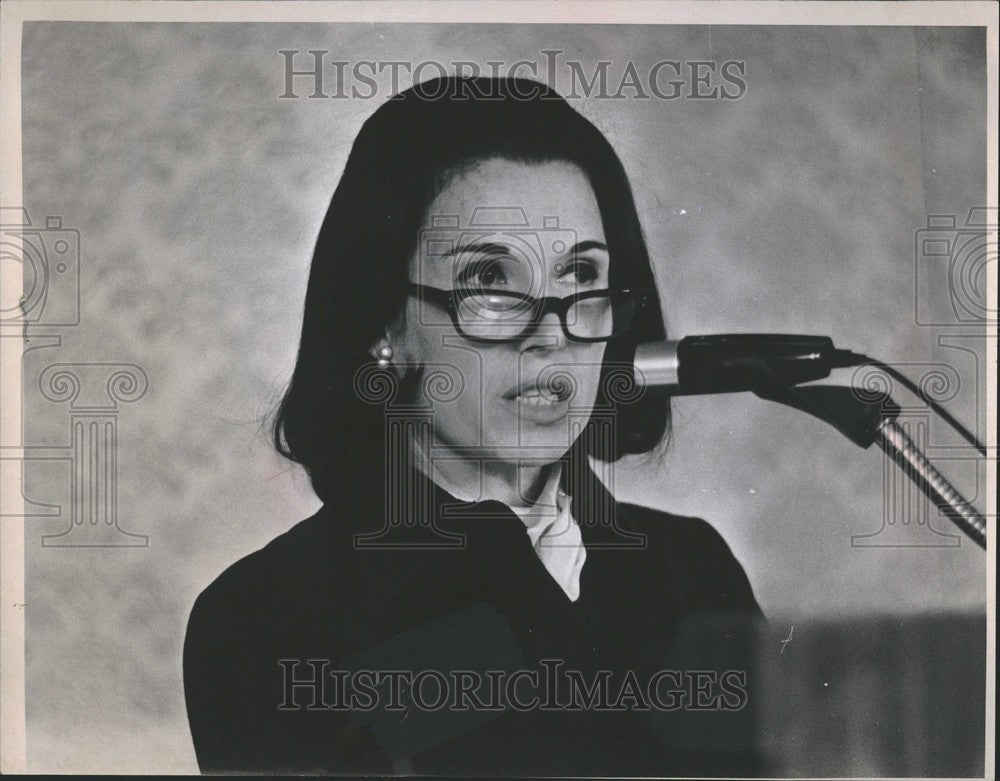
[868,422]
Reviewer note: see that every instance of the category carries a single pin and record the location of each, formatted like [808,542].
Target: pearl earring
[384,356]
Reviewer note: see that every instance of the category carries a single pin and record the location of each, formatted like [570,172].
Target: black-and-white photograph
[507,389]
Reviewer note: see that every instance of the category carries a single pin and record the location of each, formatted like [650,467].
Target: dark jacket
[459,587]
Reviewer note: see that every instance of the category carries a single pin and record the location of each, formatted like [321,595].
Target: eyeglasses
[485,315]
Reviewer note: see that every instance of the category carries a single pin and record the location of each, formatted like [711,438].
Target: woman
[478,285]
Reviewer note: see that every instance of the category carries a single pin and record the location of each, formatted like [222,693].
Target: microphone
[729,363]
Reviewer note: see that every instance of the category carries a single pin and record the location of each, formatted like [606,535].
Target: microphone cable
[847,358]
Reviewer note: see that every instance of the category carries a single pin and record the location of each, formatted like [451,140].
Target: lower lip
[539,409]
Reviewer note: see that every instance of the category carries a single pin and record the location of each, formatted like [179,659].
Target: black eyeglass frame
[449,300]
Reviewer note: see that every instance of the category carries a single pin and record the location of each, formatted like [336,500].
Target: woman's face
[524,228]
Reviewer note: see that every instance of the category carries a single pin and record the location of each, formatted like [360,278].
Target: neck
[515,484]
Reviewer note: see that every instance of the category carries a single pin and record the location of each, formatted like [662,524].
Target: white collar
[549,501]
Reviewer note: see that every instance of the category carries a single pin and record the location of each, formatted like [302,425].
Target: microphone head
[655,363]
[729,363]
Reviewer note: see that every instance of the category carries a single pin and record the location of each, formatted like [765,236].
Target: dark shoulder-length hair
[406,152]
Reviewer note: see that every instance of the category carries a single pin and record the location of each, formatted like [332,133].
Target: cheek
[455,378]
[593,358]
[584,367]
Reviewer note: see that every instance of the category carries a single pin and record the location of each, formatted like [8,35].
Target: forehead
[546,193]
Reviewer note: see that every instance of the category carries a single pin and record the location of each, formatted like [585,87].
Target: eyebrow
[483,248]
[584,246]
[492,248]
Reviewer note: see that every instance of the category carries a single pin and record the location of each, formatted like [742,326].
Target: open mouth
[535,397]
[539,394]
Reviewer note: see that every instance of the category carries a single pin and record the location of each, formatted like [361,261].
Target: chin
[547,445]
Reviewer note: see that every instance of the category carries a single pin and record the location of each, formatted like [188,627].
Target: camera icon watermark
[515,316]
[953,259]
[49,259]
[493,232]
[46,258]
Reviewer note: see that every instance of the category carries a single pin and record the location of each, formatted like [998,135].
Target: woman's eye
[583,273]
[492,276]
[485,274]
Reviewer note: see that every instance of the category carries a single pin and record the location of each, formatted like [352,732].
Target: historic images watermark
[314,684]
[952,258]
[953,255]
[317,73]
[47,256]
[49,259]
[499,242]
[909,517]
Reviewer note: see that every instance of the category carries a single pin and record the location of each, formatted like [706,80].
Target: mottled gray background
[198,195]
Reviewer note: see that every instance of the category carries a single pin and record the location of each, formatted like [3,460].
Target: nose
[546,335]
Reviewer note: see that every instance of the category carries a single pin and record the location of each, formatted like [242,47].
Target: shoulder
[270,587]
[293,553]
[261,617]
[694,534]
[697,558]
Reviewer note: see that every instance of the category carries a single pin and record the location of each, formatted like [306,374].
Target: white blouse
[554,533]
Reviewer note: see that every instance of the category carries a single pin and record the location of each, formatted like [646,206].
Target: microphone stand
[869,422]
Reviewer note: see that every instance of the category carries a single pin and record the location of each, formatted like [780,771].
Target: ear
[393,335]
[378,345]
[390,337]
[393,345]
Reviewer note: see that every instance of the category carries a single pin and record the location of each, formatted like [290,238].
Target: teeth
[537,398]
